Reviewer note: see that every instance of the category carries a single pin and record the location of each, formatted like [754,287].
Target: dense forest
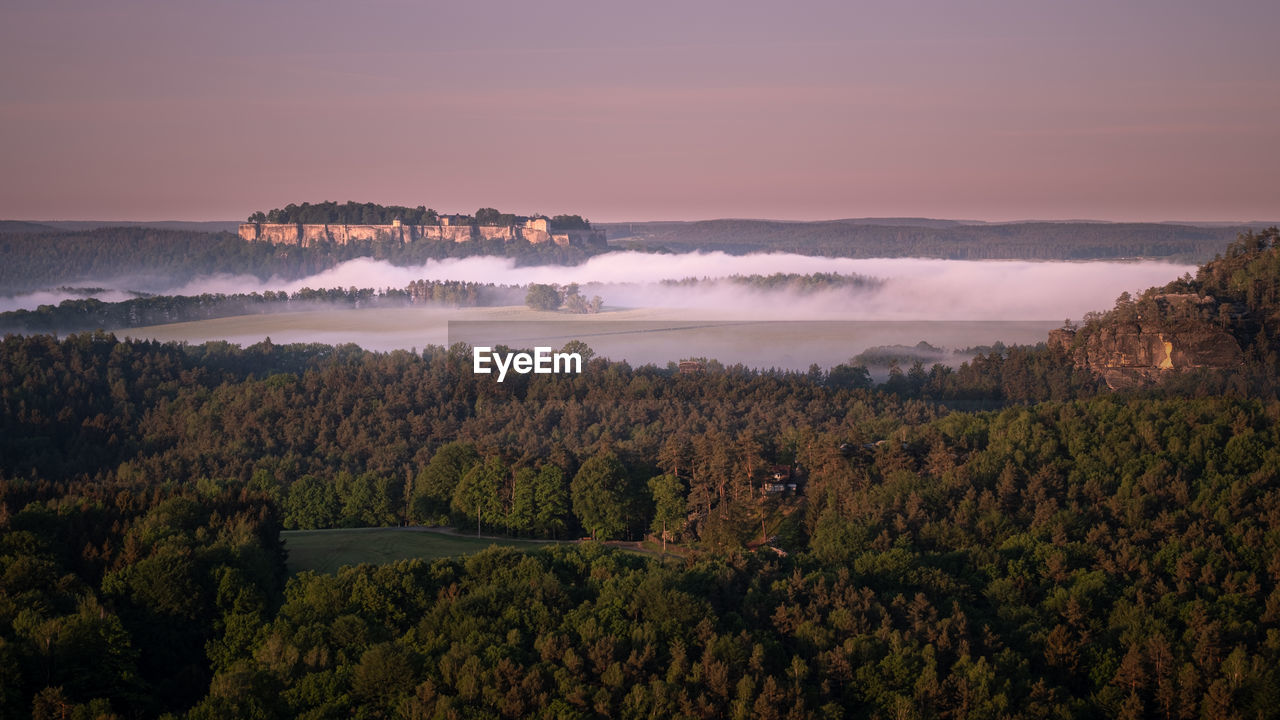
[87,314]
[1007,539]
[115,597]
[935,239]
[1114,555]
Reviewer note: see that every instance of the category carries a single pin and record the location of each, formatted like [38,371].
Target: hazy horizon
[624,221]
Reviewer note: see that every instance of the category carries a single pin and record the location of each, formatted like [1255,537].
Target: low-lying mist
[663,308]
[911,288]
[31,301]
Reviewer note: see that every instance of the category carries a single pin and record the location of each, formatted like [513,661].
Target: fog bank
[911,288]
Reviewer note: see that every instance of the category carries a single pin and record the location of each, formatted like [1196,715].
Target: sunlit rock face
[1139,345]
[309,235]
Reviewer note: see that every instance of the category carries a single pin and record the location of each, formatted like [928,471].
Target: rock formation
[535,231]
[1139,344]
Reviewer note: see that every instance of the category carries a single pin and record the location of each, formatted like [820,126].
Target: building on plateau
[452,228]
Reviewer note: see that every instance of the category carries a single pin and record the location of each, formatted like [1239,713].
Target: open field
[378,329]
[327,550]
[639,336]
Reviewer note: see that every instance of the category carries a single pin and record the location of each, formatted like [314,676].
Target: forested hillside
[1225,318]
[1114,555]
[936,239]
[88,314]
[35,261]
[1008,539]
[149,259]
[1244,282]
[152,258]
[114,597]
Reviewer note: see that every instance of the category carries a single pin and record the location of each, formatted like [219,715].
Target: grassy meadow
[637,335]
[325,551]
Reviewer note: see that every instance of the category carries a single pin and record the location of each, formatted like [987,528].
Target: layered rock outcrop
[1139,345]
[307,235]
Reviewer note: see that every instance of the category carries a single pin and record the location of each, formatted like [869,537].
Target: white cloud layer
[912,288]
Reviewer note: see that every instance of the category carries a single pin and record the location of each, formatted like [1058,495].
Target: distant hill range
[58,225]
[19,226]
[46,253]
[155,260]
[924,237]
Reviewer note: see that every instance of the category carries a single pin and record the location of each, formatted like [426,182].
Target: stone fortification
[535,231]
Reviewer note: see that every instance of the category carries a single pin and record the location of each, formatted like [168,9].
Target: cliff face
[1139,348]
[305,235]
[1226,317]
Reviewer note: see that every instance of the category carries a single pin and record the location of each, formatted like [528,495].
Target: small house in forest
[689,367]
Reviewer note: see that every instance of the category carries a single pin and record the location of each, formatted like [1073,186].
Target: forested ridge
[114,597]
[354,213]
[1007,539]
[150,256]
[146,259]
[88,314]
[1243,285]
[936,239]
[1070,557]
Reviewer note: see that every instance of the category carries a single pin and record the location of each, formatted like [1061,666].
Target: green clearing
[638,335]
[325,551]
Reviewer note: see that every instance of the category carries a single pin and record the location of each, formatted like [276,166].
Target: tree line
[354,213]
[1110,555]
[952,241]
[150,260]
[553,297]
[88,314]
[793,282]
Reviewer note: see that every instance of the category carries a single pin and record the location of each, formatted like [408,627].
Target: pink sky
[656,110]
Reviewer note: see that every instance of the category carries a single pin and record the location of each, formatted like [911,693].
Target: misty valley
[759,310]
[771,485]
[659,360]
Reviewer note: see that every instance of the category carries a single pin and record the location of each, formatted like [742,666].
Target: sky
[1136,111]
